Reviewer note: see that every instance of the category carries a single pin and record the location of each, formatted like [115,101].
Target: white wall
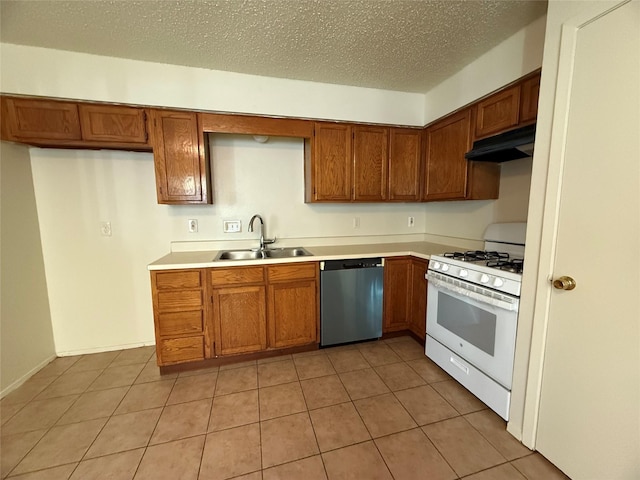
[516,56]
[26,337]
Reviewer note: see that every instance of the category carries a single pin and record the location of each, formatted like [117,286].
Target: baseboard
[110,348]
[10,388]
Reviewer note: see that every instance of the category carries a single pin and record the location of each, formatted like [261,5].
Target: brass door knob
[564,283]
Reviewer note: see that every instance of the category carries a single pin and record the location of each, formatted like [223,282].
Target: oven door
[480,330]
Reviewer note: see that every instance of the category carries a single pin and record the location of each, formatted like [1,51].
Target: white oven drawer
[494,395]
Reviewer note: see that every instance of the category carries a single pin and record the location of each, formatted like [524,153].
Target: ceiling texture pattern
[405,45]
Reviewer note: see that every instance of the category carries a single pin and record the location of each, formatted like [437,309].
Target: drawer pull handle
[462,367]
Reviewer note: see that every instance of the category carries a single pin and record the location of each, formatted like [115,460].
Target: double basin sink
[257,254]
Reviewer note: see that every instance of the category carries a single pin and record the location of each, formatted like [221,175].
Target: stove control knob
[464,273]
[484,278]
[498,282]
[445,267]
[436,265]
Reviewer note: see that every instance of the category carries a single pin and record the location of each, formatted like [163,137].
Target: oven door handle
[489,298]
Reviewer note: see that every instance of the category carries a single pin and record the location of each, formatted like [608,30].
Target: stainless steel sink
[259,254]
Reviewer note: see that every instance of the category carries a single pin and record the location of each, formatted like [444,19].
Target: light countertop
[205,258]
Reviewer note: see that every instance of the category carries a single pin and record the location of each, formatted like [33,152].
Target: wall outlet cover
[231,226]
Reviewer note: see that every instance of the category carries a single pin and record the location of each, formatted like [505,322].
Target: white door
[589,417]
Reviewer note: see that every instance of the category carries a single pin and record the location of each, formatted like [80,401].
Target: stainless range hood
[504,147]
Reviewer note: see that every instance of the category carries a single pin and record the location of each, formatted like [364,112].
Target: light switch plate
[231,226]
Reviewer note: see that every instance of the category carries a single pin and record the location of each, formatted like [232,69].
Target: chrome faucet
[263,241]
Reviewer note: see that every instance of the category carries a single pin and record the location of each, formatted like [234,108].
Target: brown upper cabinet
[328,163]
[52,123]
[370,163]
[529,99]
[180,158]
[405,154]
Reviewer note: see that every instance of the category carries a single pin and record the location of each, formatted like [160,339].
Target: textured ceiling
[406,45]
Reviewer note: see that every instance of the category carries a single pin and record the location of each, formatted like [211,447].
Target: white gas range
[472,312]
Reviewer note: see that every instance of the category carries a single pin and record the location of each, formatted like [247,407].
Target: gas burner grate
[514,265]
[477,255]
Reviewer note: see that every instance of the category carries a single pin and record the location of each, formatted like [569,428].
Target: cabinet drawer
[178,350]
[296,271]
[179,300]
[236,276]
[178,323]
[178,279]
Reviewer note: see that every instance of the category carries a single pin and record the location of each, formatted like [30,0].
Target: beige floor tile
[13,448]
[407,453]
[276,373]
[91,405]
[236,364]
[494,429]
[38,414]
[145,396]
[536,467]
[57,367]
[338,426]
[425,405]
[501,472]
[286,439]
[276,358]
[234,410]
[9,410]
[237,380]
[56,473]
[171,461]
[61,445]
[399,376]
[462,446]
[363,383]
[232,452]
[323,391]
[199,371]
[133,356]
[197,387]
[151,373]
[347,360]
[281,400]
[250,476]
[384,415]
[361,461]
[28,390]
[378,354]
[125,432]
[95,361]
[428,370]
[408,349]
[119,466]
[459,397]
[403,338]
[310,468]
[69,383]
[119,376]
[313,366]
[182,420]
[309,353]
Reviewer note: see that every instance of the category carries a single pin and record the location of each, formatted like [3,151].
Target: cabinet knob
[564,283]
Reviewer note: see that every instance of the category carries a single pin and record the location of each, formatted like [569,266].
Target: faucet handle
[269,241]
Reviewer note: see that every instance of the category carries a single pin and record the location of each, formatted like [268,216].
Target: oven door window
[473,324]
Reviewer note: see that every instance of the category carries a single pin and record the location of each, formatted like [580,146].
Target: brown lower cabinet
[405,295]
[208,313]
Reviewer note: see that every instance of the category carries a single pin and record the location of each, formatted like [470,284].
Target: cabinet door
[530,91]
[370,163]
[179,158]
[498,113]
[397,275]
[447,141]
[239,318]
[42,119]
[332,162]
[293,314]
[418,304]
[109,123]
[405,153]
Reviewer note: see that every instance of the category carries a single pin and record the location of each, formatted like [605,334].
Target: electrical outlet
[105,229]
[231,226]
[192,225]
[356,222]
[411,222]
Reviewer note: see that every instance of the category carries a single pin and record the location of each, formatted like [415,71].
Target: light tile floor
[375,410]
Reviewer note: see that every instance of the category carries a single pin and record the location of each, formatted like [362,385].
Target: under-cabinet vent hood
[506,146]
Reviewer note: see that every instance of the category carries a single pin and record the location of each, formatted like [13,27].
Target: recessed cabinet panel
[370,163]
[181,350]
[530,91]
[397,294]
[498,112]
[43,119]
[180,323]
[109,123]
[332,162]
[405,151]
[292,313]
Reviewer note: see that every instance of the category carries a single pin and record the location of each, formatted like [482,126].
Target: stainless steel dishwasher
[350,300]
